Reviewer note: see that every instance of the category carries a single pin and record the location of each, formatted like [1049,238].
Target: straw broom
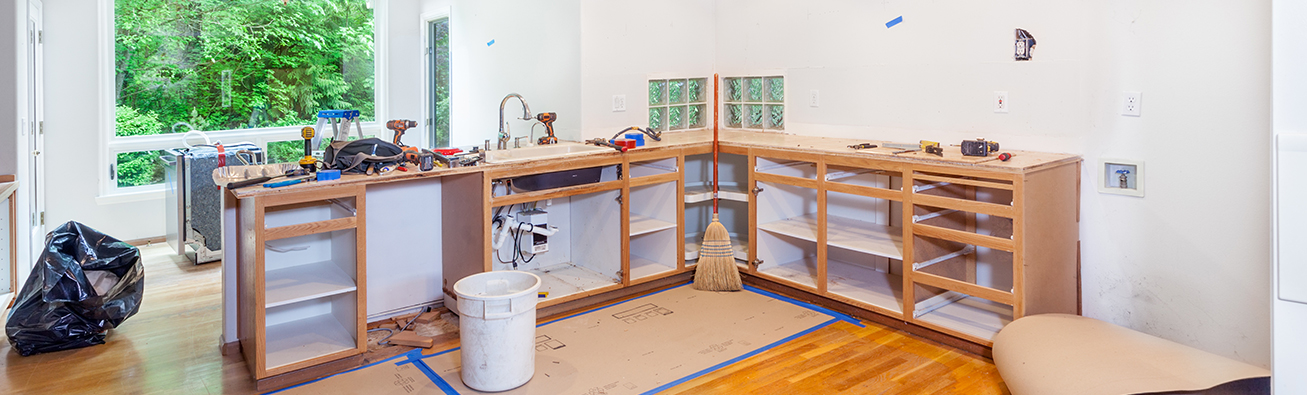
[716,270]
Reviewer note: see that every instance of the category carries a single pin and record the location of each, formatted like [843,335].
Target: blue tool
[638,137]
[280,184]
[328,175]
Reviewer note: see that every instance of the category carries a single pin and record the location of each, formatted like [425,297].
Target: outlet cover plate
[1109,181]
[1131,101]
[619,103]
[814,99]
[1000,102]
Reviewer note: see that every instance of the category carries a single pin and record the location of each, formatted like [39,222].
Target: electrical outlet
[1130,103]
[1000,102]
[619,103]
[815,99]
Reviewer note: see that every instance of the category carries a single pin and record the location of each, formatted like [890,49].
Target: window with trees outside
[239,70]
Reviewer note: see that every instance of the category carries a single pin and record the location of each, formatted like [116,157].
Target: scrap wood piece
[411,338]
[428,317]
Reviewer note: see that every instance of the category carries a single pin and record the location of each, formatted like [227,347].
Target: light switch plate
[619,103]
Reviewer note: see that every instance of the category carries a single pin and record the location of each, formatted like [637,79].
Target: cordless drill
[308,162]
[424,159]
[548,119]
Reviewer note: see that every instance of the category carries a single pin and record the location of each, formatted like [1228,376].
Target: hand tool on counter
[260,180]
[290,182]
[862,146]
[927,146]
[605,143]
[1001,157]
[548,119]
[977,147]
[308,162]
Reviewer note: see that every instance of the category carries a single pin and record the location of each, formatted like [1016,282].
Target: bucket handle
[514,308]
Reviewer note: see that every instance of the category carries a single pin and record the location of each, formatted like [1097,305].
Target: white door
[36,133]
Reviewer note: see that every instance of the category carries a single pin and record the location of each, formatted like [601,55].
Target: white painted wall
[11,40]
[624,43]
[536,54]
[1188,262]
[1289,223]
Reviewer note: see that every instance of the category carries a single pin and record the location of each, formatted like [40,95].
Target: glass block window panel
[697,90]
[656,122]
[676,91]
[657,92]
[775,89]
[676,117]
[734,115]
[696,116]
[755,89]
[754,119]
[775,116]
[734,89]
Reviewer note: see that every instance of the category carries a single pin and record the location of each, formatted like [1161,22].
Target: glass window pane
[676,91]
[775,89]
[755,89]
[734,90]
[734,115]
[656,122]
[697,90]
[438,129]
[286,151]
[656,92]
[676,117]
[775,116]
[216,65]
[696,117]
[754,120]
[139,168]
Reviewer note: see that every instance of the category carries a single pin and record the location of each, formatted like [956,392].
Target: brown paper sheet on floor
[384,378]
[1072,355]
[642,344]
[628,348]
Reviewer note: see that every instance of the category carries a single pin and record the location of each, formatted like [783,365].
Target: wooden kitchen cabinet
[303,273]
[960,250]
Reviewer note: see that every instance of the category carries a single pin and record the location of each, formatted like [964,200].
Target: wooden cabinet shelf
[641,225]
[703,193]
[305,282]
[307,339]
[860,236]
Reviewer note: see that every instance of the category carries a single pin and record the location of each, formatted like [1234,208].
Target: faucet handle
[517,141]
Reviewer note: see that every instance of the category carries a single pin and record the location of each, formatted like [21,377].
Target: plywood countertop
[1021,162]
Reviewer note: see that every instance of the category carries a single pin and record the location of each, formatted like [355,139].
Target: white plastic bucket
[497,320]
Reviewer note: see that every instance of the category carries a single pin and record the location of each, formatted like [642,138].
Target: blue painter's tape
[435,378]
[838,315]
[409,355]
[664,387]
[894,22]
[492,42]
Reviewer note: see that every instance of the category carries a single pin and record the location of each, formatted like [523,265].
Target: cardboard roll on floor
[1072,355]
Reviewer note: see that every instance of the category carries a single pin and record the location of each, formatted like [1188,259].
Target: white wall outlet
[619,103]
[1000,102]
[1130,103]
[814,100]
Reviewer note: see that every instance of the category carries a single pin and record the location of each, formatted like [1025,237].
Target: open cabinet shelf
[306,339]
[304,282]
[860,236]
[702,192]
[642,225]
[565,279]
[865,284]
[967,314]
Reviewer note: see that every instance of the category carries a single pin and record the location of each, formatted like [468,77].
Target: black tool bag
[359,155]
[84,284]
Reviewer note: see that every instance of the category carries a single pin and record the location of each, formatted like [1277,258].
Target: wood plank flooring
[170,347]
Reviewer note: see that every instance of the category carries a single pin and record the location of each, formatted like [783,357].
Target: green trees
[236,64]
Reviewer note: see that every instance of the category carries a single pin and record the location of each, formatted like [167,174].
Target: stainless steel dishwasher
[193,203]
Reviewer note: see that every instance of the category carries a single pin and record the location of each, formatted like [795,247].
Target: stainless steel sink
[560,150]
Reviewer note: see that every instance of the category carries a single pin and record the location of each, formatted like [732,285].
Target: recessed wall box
[1120,176]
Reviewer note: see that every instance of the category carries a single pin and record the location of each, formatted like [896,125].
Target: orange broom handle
[716,99]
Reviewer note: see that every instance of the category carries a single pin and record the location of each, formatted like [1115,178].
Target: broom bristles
[716,270]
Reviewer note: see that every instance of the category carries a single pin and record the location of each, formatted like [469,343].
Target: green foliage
[235,64]
[285,151]
[138,168]
[440,40]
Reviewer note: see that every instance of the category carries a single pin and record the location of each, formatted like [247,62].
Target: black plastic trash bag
[84,284]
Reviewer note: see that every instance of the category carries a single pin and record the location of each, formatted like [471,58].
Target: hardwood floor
[170,347]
